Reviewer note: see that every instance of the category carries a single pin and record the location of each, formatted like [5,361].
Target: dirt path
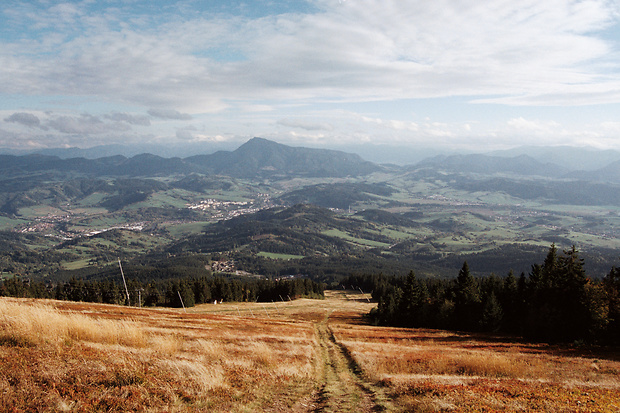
[340,384]
[342,388]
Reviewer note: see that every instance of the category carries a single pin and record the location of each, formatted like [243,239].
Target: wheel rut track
[342,385]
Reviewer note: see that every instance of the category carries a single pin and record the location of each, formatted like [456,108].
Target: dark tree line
[166,293]
[556,301]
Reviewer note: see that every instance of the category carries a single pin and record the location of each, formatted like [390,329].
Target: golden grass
[35,323]
[61,356]
[432,370]
[378,359]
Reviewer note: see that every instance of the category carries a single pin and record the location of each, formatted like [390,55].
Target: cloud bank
[179,65]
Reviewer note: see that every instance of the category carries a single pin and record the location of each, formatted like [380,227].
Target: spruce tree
[467,300]
[414,302]
[611,284]
[492,314]
[509,299]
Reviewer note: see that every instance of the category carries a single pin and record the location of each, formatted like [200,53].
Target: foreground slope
[300,356]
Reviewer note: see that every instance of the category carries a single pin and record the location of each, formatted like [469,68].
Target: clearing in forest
[296,356]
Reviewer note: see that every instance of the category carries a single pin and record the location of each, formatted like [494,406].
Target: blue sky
[451,74]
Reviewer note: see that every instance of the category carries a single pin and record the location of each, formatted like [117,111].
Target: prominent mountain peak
[259,142]
[261,146]
[262,157]
[257,158]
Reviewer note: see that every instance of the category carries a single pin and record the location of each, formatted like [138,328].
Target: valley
[430,217]
[264,242]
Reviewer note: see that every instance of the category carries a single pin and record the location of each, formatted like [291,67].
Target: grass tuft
[25,324]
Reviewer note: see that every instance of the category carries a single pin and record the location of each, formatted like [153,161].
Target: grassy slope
[301,356]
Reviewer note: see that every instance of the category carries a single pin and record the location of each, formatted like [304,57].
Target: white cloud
[397,125]
[305,124]
[264,73]
[169,114]
[85,125]
[364,49]
[532,126]
[27,119]
[128,118]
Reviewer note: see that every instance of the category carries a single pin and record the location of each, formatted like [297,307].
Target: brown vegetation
[75,357]
[433,370]
[300,356]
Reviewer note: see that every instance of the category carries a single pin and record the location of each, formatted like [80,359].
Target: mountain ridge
[487,164]
[256,158]
[262,158]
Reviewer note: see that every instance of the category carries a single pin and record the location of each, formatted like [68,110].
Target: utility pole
[124,283]
[178,292]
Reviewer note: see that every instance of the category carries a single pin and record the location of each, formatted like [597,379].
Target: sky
[450,74]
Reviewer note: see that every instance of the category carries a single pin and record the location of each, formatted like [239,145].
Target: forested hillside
[276,211]
[556,301]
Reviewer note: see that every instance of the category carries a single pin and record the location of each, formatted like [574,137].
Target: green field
[185,229]
[75,265]
[92,199]
[276,256]
[433,215]
[40,211]
[7,223]
[360,241]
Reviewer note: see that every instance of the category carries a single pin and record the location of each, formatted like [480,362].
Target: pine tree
[389,305]
[558,302]
[509,300]
[611,284]
[467,300]
[492,314]
[187,294]
[570,295]
[549,267]
[414,302]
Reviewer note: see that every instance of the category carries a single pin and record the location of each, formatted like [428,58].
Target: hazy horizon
[377,153]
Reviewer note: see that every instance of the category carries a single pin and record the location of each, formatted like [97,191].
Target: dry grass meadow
[300,356]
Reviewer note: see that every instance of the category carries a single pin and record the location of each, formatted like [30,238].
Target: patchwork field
[299,356]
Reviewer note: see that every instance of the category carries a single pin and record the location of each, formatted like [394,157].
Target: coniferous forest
[169,292]
[555,302]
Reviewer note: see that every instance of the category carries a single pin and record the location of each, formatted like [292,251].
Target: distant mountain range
[609,173]
[262,158]
[522,165]
[569,157]
[129,150]
[485,164]
[256,158]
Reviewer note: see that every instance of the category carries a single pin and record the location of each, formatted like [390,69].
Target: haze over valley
[427,216]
